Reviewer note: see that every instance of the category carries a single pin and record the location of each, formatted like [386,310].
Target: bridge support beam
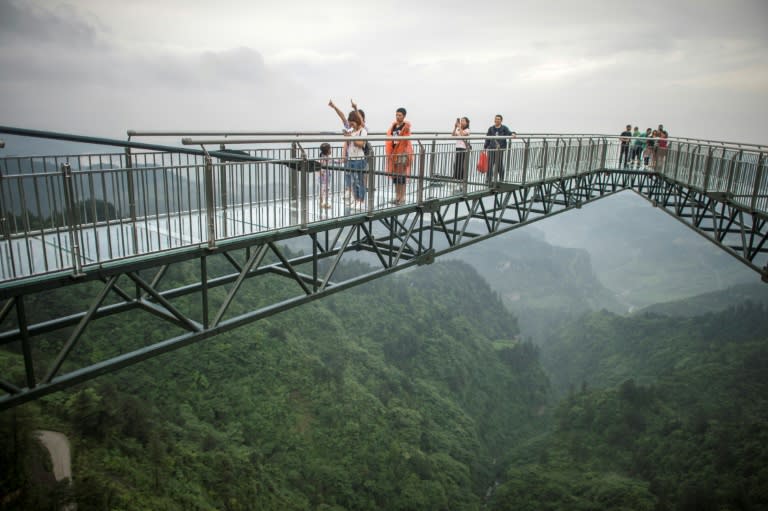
[388,241]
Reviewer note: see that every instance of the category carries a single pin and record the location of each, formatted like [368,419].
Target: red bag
[482,163]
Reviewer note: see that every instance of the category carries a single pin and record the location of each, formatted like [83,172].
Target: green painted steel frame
[397,238]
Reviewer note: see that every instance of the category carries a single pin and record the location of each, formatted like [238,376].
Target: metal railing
[70,213]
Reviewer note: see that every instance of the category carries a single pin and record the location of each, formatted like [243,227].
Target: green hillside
[418,391]
[642,254]
[603,349]
[711,302]
[672,414]
[542,284]
[402,394]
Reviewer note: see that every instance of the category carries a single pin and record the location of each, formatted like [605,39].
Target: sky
[101,67]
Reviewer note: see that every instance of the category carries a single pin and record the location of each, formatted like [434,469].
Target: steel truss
[734,228]
[396,239]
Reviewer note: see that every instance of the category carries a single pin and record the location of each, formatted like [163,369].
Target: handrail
[158,199]
[85,139]
[333,138]
[418,134]
[310,136]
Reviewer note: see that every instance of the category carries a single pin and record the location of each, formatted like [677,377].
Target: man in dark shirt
[496,148]
[624,150]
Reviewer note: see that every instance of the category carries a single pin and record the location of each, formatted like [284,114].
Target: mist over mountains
[618,253]
[642,253]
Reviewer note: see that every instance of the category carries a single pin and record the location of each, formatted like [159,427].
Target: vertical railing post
[204,290]
[693,164]
[506,162]
[293,185]
[677,161]
[371,185]
[304,192]
[758,179]
[5,228]
[562,163]
[72,216]
[732,171]
[422,170]
[707,169]
[432,159]
[210,203]
[578,158]
[223,195]
[526,158]
[545,158]
[131,199]
[590,153]
[604,154]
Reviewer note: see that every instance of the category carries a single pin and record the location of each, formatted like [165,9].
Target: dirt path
[58,445]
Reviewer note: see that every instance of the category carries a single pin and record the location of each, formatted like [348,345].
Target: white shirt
[458,132]
[353,151]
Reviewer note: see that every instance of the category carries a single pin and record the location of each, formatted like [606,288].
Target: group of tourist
[643,150]
[357,155]
[640,150]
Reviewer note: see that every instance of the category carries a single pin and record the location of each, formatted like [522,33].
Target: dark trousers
[624,154]
[460,165]
[495,165]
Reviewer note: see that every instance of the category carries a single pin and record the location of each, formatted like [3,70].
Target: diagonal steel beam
[374,245]
[288,266]
[337,259]
[255,260]
[75,336]
[7,307]
[188,323]
[29,367]
[10,388]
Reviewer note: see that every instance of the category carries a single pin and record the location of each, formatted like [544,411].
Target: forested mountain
[672,414]
[402,394]
[641,253]
[542,284]
[715,301]
[603,349]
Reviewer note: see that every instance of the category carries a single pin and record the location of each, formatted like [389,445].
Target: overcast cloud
[101,66]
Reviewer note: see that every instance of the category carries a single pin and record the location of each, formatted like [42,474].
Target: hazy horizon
[102,67]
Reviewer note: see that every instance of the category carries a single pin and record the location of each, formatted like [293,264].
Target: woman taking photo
[461,129]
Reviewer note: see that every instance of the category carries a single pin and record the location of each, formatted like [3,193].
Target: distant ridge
[714,301]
